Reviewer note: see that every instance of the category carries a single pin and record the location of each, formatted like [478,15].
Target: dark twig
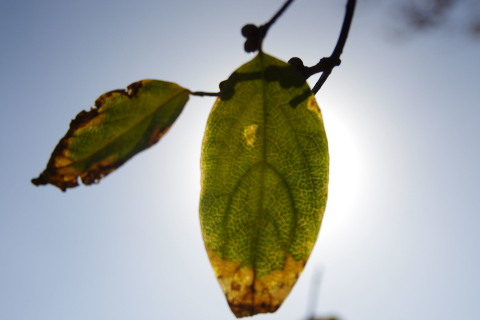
[203,94]
[334,59]
[275,17]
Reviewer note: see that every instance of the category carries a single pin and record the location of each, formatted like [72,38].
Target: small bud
[297,63]
[251,45]
[221,85]
[250,31]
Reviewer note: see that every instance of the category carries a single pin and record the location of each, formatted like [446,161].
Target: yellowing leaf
[122,124]
[264,183]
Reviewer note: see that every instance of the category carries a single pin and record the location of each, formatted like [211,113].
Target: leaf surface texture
[123,123]
[264,183]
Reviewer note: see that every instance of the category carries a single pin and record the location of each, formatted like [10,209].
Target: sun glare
[344,167]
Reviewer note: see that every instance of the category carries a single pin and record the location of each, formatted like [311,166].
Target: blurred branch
[422,15]
[426,13]
[313,299]
[314,292]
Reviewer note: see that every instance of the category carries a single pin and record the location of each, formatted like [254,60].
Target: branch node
[326,65]
[255,35]
[297,63]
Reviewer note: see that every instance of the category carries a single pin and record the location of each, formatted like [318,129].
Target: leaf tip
[40,181]
[43,179]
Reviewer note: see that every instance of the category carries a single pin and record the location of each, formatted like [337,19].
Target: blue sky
[401,232]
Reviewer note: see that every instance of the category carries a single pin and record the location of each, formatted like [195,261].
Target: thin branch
[275,17]
[335,57]
[203,94]
[321,81]
[345,28]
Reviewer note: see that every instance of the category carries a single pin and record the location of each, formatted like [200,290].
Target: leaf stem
[202,94]
[334,60]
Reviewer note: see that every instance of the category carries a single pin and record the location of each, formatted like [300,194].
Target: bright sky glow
[401,230]
[344,164]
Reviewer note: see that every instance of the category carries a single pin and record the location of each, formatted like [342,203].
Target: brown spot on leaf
[100,170]
[94,145]
[248,295]
[235,286]
[133,89]
[100,102]
[82,120]
[58,160]
[248,309]
[157,134]
[131,92]
[59,171]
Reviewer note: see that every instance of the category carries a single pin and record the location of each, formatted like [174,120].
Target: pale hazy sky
[401,235]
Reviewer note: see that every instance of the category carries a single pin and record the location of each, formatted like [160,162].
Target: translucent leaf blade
[264,183]
[122,124]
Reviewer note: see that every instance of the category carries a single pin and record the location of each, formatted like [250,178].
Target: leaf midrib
[260,201]
[126,131]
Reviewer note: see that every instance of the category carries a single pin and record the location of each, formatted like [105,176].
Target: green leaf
[122,124]
[264,183]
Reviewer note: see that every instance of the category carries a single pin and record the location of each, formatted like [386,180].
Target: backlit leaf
[122,124]
[264,183]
